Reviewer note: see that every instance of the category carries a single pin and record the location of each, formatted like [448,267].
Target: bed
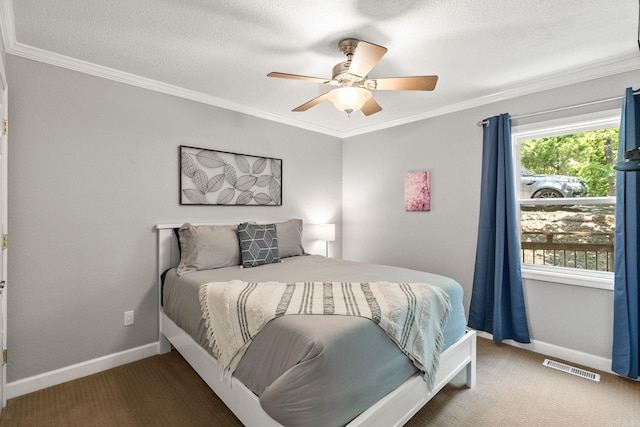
[383,388]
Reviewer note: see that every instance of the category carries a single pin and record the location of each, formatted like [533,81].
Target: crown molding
[40,55]
[605,69]
[7,26]
[7,35]
[12,46]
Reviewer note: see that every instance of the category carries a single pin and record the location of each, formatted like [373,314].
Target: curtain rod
[555,110]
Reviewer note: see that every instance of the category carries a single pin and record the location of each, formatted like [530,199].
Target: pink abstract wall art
[417,191]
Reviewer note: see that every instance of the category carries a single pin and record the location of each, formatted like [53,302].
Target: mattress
[313,370]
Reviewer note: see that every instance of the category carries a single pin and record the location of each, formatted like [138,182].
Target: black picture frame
[221,178]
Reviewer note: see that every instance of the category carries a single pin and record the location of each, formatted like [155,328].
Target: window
[565,185]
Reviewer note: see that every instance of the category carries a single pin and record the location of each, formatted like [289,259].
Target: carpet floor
[513,389]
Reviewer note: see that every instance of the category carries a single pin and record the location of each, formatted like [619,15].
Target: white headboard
[168,251]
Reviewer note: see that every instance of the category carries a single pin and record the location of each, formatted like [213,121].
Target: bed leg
[471,367]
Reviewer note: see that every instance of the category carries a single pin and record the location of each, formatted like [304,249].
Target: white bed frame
[395,409]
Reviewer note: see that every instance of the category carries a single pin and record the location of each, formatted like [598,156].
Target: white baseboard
[68,373]
[574,356]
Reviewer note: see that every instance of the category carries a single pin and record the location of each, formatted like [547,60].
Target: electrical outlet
[128,318]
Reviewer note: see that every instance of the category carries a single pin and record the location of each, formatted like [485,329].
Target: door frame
[4,230]
[4,187]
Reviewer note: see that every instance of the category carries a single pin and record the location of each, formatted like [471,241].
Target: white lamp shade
[349,98]
[326,232]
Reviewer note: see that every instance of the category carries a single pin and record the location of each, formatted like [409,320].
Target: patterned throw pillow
[258,244]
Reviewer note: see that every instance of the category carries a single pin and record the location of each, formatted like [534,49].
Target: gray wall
[377,229]
[92,167]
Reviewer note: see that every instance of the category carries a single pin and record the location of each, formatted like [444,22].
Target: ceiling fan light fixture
[350,77]
[349,98]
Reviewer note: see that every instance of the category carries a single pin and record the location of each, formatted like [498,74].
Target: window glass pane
[554,169]
[573,236]
[573,165]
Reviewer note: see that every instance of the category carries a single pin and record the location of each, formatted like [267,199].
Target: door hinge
[5,241]
[5,127]
[4,356]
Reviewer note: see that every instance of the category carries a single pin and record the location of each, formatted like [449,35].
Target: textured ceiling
[220,51]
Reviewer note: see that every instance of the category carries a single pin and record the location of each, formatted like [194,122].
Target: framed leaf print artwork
[417,192]
[209,177]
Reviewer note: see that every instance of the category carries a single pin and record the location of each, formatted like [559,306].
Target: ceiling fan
[354,88]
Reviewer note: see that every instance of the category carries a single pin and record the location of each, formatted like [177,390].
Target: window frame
[563,126]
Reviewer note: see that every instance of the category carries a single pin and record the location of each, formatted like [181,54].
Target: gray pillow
[258,244]
[290,238]
[205,247]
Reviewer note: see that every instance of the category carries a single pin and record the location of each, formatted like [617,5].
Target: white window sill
[569,276]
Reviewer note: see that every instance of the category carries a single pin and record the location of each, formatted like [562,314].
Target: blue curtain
[497,299]
[625,357]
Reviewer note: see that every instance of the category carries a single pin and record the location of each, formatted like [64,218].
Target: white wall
[93,165]
[573,320]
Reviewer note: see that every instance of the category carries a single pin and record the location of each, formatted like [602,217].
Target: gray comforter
[311,370]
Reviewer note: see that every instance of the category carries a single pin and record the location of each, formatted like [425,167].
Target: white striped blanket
[412,314]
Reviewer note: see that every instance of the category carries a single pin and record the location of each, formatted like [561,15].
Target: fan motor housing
[341,68]
[341,73]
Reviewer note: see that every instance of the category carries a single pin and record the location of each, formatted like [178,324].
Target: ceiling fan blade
[312,103]
[371,107]
[365,58]
[407,83]
[296,77]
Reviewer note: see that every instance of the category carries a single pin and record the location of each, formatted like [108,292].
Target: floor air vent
[571,370]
